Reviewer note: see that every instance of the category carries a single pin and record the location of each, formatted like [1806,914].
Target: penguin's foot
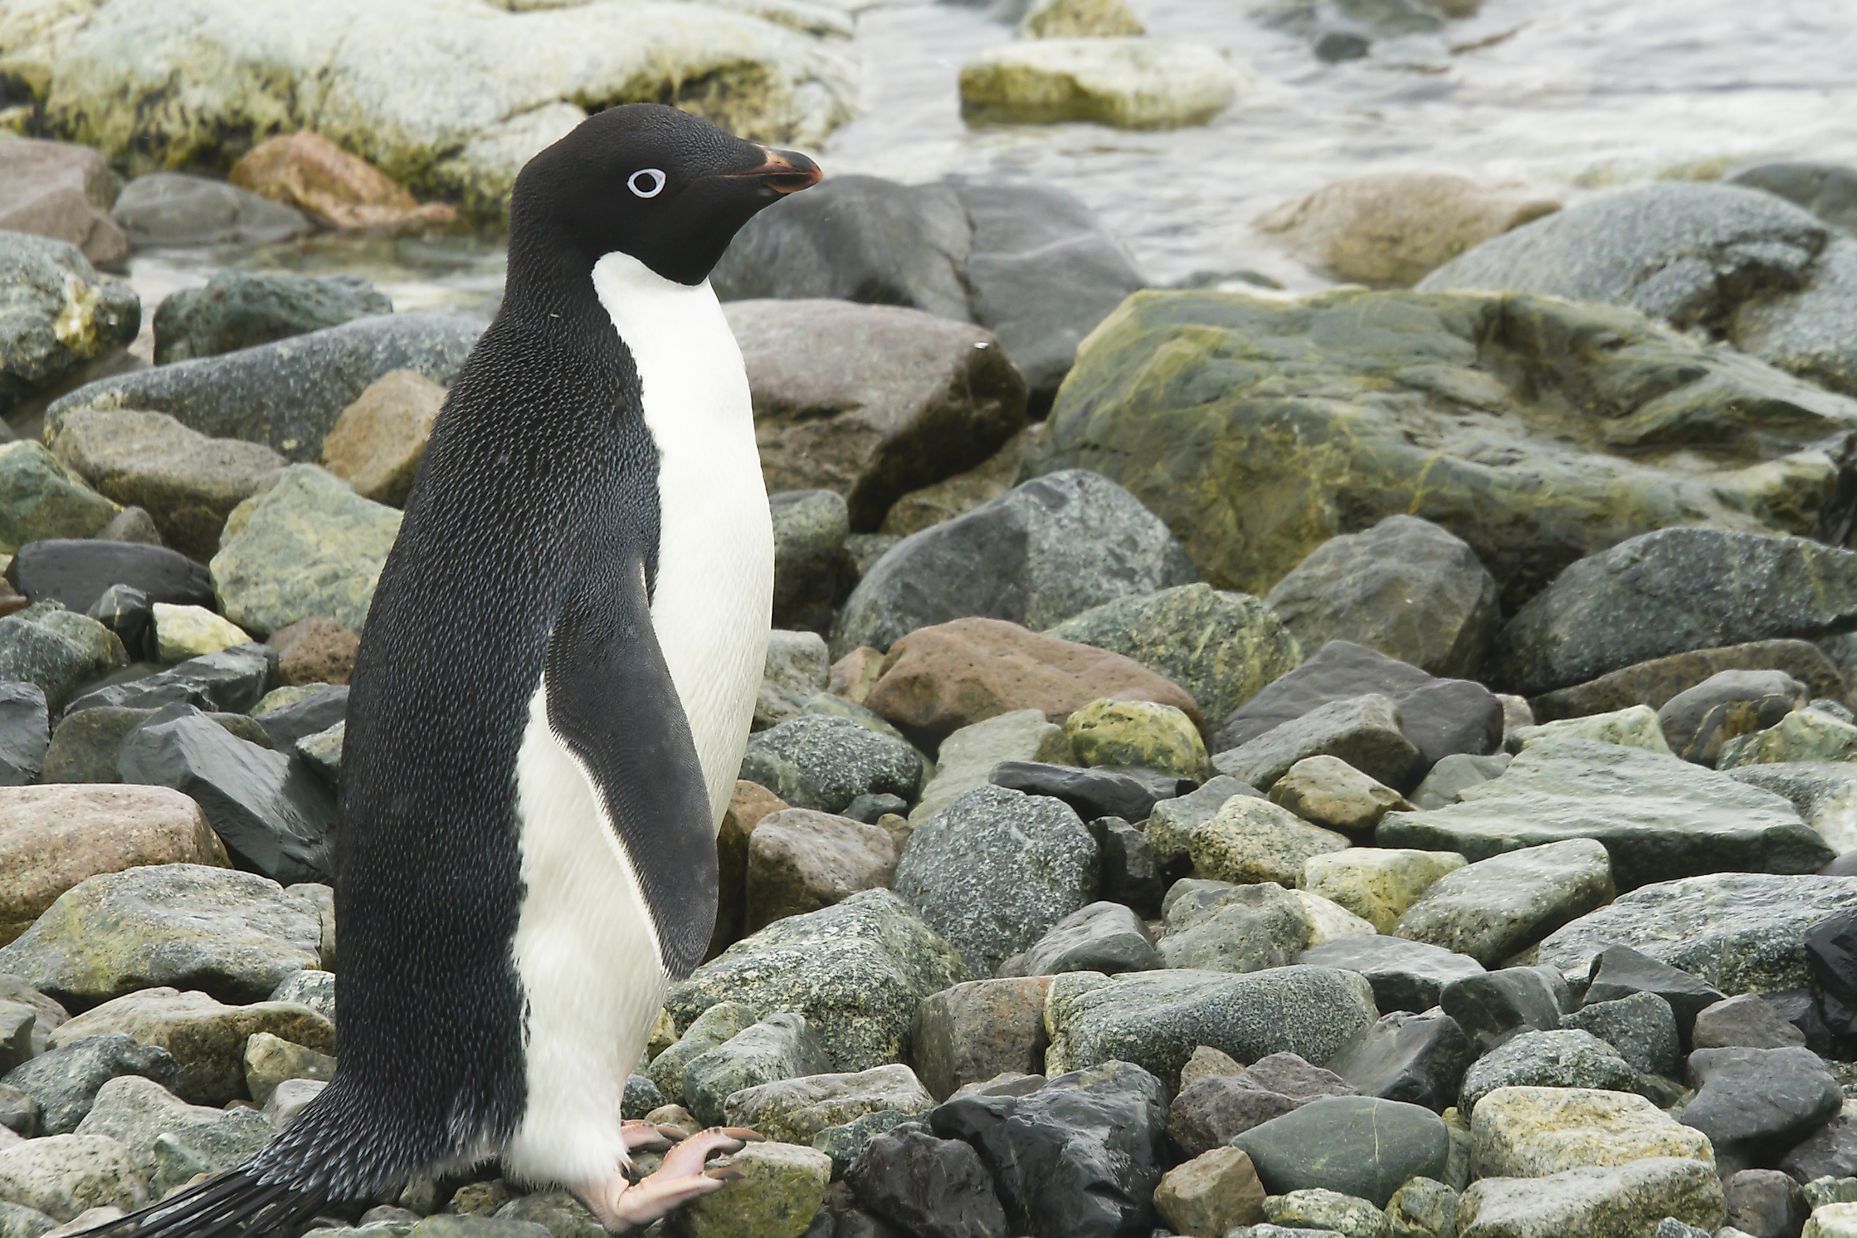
[641,1136]
[620,1204]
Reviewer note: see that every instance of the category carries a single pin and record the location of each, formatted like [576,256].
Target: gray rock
[1817,734]
[1405,975]
[794,1110]
[1363,731]
[65,1081]
[1698,721]
[1754,1104]
[1495,908]
[309,987]
[1156,1019]
[1220,926]
[812,566]
[1101,937]
[1405,587]
[286,394]
[56,314]
[1497,1005]
[1037,555]
[1357,1145]
[1828,190]
[781,1046]
[1747,1021]
[967,757]
[229,681]
[1170,826]
[1658,817]
[856,970]
[1250,840]
[1823,793]
[975,1031]
[800,860]
[1741,932]
[926,1185]
[1558,1059]
[25,733]
[712,1027]
[1208,1112]
[42,500]
[235,935]
[174,208]
[1328,1212]
[55,650]
[180,1139]
[241,309]
[1631,1198]
[64,1175]
[1416,1058]
[1642,1027]
[824,763]
[1764,1202]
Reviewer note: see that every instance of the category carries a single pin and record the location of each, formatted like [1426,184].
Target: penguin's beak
[783,171]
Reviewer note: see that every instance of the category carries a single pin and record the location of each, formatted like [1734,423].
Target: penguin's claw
[648,1137]
[622,1205]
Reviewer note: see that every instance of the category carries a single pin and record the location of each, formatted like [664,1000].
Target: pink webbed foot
[641,1136]
[620,1204]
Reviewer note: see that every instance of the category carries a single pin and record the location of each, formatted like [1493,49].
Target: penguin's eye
[646,182]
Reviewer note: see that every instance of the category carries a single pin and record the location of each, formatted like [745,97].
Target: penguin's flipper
[612,702]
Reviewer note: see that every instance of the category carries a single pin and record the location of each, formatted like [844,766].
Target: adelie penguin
[549,707]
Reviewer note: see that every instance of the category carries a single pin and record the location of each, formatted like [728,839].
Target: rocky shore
[1378,762]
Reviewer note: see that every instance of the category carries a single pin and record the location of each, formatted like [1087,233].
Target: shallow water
[1566,96]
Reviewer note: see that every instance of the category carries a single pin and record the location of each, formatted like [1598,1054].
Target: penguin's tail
[235,1204]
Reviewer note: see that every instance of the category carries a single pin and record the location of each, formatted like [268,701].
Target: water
[1569,97]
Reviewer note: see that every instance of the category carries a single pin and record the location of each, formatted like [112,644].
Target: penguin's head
[654,182]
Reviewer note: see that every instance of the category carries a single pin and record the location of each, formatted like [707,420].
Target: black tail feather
[236,1204]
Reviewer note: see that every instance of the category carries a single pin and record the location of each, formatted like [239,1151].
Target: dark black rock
[1619,971]
[1078,1158]
[812,565]
[1754,1104]
[1131,873]
[315,712]
[75,572]
[1100,792]
[86,744]
[1101,937]
[229,681]
[25,733]
[1438,716]
[1748,1022]
[1405,975]
[65,1081]
[1210,1112]
[1764,1203]
[932,1188]
[1828,1152]
[240,309]
[1801,1008]
[1496,1005]
[128,612]
[1416,1058]
[1358,1145]
[1831,952]
[271,811]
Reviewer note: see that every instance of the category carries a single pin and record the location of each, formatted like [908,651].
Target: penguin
[549,707]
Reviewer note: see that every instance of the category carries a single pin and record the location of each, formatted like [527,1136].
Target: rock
[1405,587]
[58,314]
[1130,871]
[1805,735]
[1356,1145]
[1619,971]
[1642,1027]
[378,441]
[856,970]
[1530,1132]
[1744,265]
[777,1196]
[1763,1202]
[304,545]
[307,711]
[1754,1104]
[287,394]
[995,870]
[1405,975]
[1496,1005]
[1739,932]
[1129,83]
[1493,909]
[824,763]
[25,734]
[273,814]
[1142,734]
[713,1027]
[1743,1022]
[181,1140]
[234,935]
[1825,189]
[1658,817]
[1239,474]
[926,1185]
[800,860]
[938,679]
[812,567]
[1657,681]
[899,400]
[1328,791]
[1422,1208]
[1101,937]
[186,481]
[1436,717]
[1156,1019]
[174,208]
[1039,554]
[1831,954]
[1416,1058]
[1210,1193]
[76,573]
[53,837]
[1127,794]
[41,499]
[1699,720]
[1223,648]
[1209,1112]
[1377,884]
[1324,1211]
[64,1175]
[315,650]
[1254,840]
[183,632]
[1218,926]
[55,650]
[796,671]
[1558,1059]
[1824,794]
[239,309]
[228,682]
[64,1082]
[1629,1198]
[1831,1221]
[1392,228]
[206,1038]
[1172,821]
[1830,1152]
[1079,1156]
[1636,727]
[1067,19]
[307,171]
[797,1109]
[1362,731]
[969,755]
[974,1031]
[62,191]
[128,613]
[271,1062]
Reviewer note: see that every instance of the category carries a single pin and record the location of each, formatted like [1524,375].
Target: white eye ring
[646,182]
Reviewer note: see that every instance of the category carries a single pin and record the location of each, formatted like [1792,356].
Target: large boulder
[63,191]
[56,313]
[240,309]
[1633,1198]
[1037,555]
[56,650]
[872,401]
[1753,269]
[1496,908]
[1538,430]
[451,96]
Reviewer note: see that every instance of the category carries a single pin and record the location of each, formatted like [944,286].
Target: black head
[653,182]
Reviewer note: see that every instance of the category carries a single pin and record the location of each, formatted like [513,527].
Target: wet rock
[1137,734]
[938,679]
[180,1139]
[1754,1104]
[64,1175]
[1746,1021]
[64,1082]
[800,860]
[1416,1058]
[1221,647]
[1628,1198]
[1039,554]
[1495,908]
[1559,1059]
[1658,817]
[1495,1006]
[378,441]
[995,870]
[927,1185]
[58,314]
[174,208]
[1362,731]
[1129,83]
[25,734]
[1405,587]
[1531,1132]
[856,970]
[306,711]
[1209,1112]
[1079,1156]
[232,934]
[230,681]
[240,309]
[1699,720]
[1356,1145]
[1405,975]
[799,1108]
[1131,873]
[777,1196]
[1641,1026]
[1067,19]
